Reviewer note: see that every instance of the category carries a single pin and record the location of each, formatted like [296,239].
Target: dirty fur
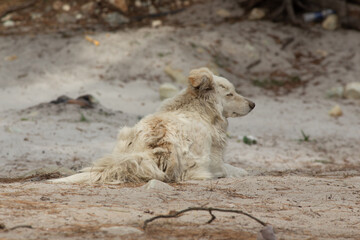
[185,139]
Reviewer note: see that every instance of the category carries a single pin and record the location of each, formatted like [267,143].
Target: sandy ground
[305,189]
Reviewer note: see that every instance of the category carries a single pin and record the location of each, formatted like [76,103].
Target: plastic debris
[249,140]
[317,16]
[93,41]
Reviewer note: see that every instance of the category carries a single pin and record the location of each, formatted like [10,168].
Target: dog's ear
[201,79]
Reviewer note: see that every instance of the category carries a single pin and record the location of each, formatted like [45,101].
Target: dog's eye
[229,95]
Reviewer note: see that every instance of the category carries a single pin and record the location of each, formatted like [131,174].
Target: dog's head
[204,83]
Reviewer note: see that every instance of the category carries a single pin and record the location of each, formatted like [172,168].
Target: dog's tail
[132,167]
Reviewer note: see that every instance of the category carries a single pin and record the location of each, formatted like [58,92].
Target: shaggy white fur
[185,139]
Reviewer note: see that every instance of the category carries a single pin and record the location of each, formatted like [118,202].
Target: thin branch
[19,226]
[212,217]
[210,210]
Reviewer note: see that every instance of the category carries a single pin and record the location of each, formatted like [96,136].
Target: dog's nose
[251,104]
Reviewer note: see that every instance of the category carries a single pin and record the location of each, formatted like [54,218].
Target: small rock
[331,22]
[176,74]
[167,90]
[257,14]
[266,233]
[157,185]
[156,23]
[66,7]
[335,92]
[35,16]
[65,18]
[138,3]
[223,13]
[121,230]
[352,90]
[9,23]
[57,5]
[79,16]
[152,10]
[88,8]
[115,19]
[120,4]
[48,170]
[335,111]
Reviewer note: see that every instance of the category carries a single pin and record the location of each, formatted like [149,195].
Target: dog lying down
[184,140]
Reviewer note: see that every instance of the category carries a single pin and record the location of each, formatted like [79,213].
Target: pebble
[257,14]
[156,23]
[335,111]
[157,185]
[115,19]
[331,22]
[223,13]
[66,7]
[9,23]
[352,90]
[335,92]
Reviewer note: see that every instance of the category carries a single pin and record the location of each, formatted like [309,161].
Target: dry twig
[210,210]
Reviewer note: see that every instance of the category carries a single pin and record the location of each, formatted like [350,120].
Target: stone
[335,92]
[9,23]
[47,170]
[331,22]
[35,16]
[65,18]
[121,230]
[115,19]
[335,111]
[57,5]
[88,8]
[120,4]
[257,14]
[352,90]
[156,23]
[79,16]
[167,90]
[66,7]
[176,74]
[157,185]
[266,233]
[152,10]
[223,13]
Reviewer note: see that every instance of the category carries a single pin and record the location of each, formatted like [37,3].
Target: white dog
[185,139]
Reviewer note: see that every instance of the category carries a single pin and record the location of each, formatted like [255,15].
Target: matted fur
[185,139]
